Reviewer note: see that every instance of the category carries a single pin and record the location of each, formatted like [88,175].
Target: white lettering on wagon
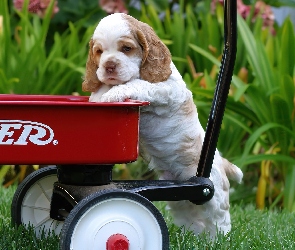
[18,132]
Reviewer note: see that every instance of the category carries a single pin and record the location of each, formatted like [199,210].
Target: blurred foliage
[258,127]
[279,3]
[28,65]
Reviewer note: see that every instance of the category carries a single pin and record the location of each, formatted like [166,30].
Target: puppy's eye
[98,51]
[126,49]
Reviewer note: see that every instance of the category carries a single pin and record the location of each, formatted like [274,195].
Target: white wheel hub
[117,216]
[35,209]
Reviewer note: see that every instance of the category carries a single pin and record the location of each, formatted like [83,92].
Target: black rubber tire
[85,205]
[35,180]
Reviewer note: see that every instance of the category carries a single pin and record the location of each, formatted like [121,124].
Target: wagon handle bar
[221,90]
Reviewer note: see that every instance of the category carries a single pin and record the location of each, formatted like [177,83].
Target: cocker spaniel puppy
[127,60]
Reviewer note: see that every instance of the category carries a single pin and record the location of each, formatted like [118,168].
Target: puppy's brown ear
[156,59]
[91,82]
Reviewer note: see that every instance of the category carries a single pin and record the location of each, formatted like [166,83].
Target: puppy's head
[122,49]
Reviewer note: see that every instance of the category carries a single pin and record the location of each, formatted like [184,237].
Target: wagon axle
[75,182]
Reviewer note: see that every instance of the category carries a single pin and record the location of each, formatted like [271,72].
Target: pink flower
[243,9]
[261,10]
[36,6]
[265,11]
[113,6]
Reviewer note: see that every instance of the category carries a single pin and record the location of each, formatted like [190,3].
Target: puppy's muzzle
[110,67]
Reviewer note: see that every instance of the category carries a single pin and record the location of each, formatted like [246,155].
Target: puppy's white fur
[171,135]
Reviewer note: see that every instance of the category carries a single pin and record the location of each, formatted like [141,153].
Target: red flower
[113,6]
[36,6]
[261,10]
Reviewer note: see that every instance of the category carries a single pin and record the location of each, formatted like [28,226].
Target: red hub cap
[117,242]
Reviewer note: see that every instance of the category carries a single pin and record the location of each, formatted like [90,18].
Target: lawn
[251,229]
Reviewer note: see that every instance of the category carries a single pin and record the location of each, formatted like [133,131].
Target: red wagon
[84,140]
[77,196]
[40,129]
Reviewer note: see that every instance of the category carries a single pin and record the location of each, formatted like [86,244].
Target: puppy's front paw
[115,95]
[94,98]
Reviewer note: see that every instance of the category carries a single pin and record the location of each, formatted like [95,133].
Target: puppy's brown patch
[156,57]
[130,47]
[91,82]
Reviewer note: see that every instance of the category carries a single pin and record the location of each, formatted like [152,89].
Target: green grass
[251,229]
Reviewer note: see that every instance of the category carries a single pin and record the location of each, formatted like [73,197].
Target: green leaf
[287,90]
[286,58]
[71,65]
[256,137]
[256,56]
[160,5]
[270,49]
[281,115]
[205,54]
[250,159]
[240,123]
[289,190]
[258,102]
[241,86]
[243,110]
[264,70]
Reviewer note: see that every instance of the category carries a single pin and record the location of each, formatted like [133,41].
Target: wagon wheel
[114,219]
[31,201]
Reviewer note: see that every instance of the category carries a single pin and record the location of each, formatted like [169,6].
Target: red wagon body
[42,129]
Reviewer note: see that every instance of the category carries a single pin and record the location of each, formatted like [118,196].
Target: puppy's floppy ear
[91,82]
[156,59]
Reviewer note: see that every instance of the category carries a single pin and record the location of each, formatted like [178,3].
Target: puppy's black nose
[110,67]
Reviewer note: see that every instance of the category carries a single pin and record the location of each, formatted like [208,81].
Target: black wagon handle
[221,90]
